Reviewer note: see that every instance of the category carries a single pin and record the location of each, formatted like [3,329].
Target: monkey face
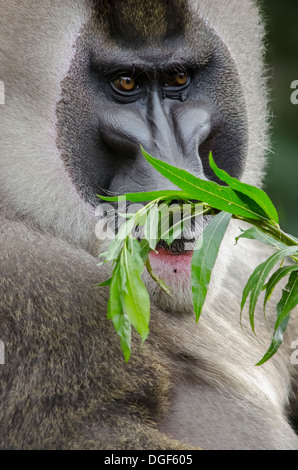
[110,76]
[178,98]
[175,91]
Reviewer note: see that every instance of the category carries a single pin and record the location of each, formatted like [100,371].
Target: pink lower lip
[166,261]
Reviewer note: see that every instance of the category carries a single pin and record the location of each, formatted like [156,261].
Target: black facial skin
[101,128]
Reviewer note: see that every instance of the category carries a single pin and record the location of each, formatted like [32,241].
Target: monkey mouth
[188,241]
[173,261]
[176,248]
[169,261]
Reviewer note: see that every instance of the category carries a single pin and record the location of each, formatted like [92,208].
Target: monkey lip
[166,261]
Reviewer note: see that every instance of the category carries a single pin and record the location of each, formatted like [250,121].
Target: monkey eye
[178,79]
[125,84]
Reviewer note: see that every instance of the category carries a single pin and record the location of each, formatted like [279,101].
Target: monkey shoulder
[62,356]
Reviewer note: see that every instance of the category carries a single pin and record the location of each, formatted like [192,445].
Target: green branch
[129,303]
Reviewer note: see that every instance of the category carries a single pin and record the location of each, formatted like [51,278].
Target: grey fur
[64,382]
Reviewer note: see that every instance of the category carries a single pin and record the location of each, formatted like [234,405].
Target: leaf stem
[273,230]
[157,279]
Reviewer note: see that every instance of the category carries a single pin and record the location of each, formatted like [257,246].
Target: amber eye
[125,84]
[178,79]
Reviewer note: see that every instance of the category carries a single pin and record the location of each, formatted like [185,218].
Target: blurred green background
[281,19]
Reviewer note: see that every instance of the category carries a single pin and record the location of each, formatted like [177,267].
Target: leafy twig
[129,302]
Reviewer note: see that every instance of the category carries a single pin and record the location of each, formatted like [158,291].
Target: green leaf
[253,279]
[277,340]
[129,302]
[256,194]
[170,229]
[135,298]
[289,299]
[219,197]
[144,249]
[122,325]
[287,303]
[254,233]
[276,278]
[114,305]
[134,247]
[204,258]
[125,229]
[170,232]
[114,250]
[116,245]
[116,313]
[151,226]
[105,283]
[149,196]
[258,278]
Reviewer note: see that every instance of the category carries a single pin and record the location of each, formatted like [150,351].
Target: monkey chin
[175,270]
